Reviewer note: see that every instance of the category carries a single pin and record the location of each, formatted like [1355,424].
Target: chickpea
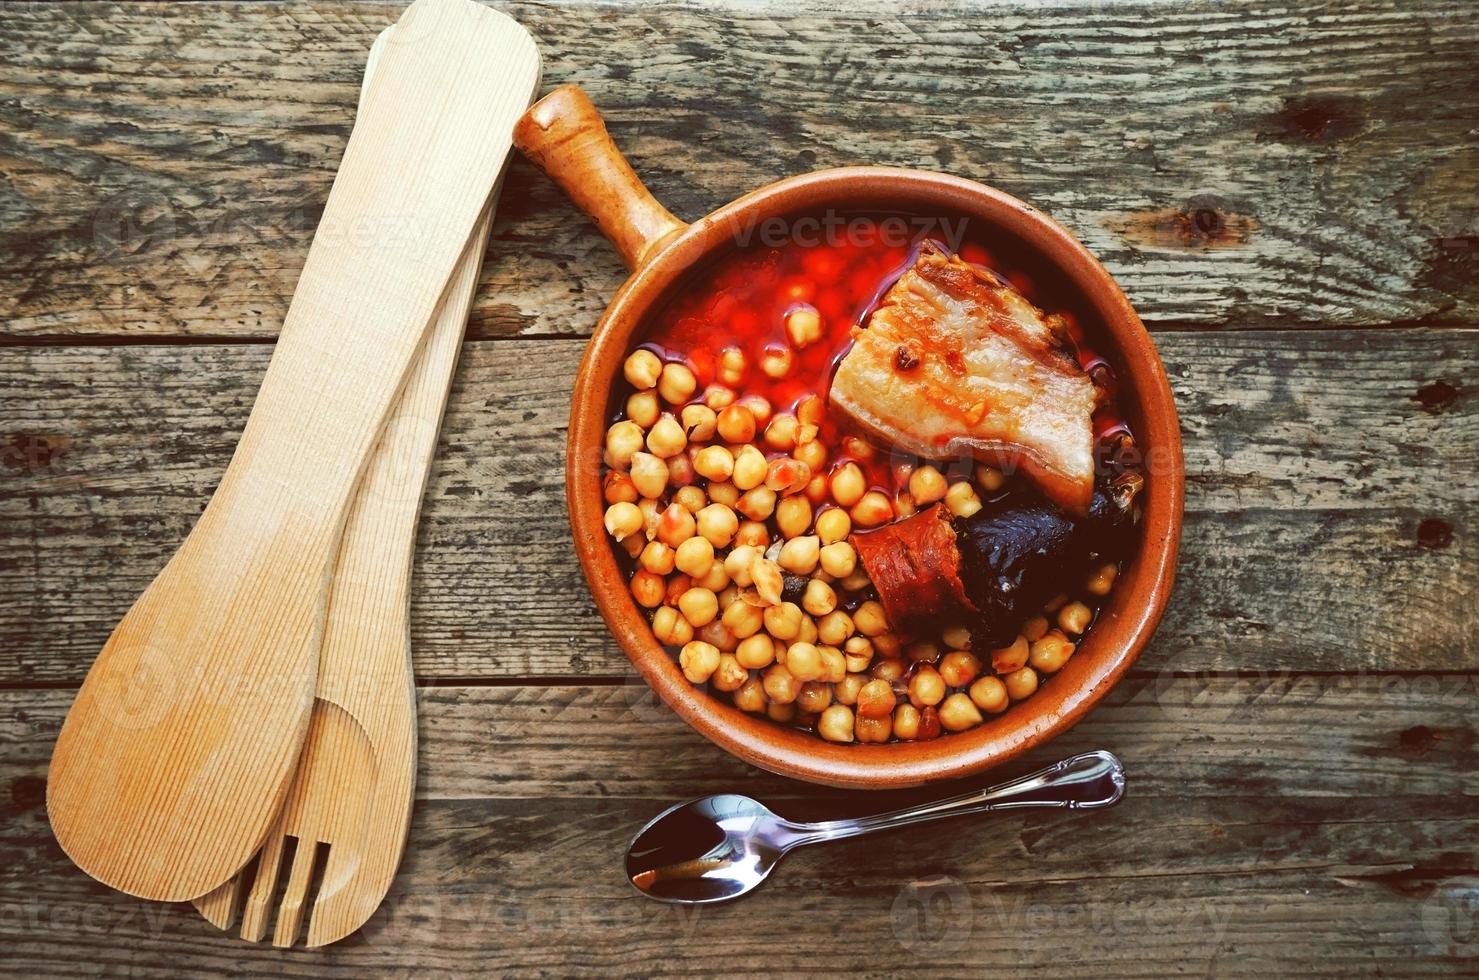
[670,628]
[926,687]
[906,722]
[753,533]
[750,468]
[717,523]
[799,555]
[781,433]
[759,407]
[846,690]
[751,696]
[816,490]
[727,597]
[643,408]
[716,579]
[717,398]
[736,424]
[812,453]
[848,484]
[1050,653]
[959,668]
[723,492]
[888,645]
[793,516]
[1035,628]
[675,525]
[699,606]
[990,694]
[923,652]
[815,697]
[819,599]
[623,519]
[698,422]
[768,580]
[870,619]
[904,505]
[838,559]
[622,440]
[657,558]
[783,621]
[872,510]
[874,729]
[858,651]
[641,369]
[731,366]
[833,525]
[783,713]
[1102,580]
[719,635]
[699,660]
[990,479]
[834,665]
[803,327]
[888,670]
[809,632]
[737,564]
[713,463]
[1055,603]
[927,485]
[787,476]
[835,627]
[959,712]
[856,582]
[836,724]
[876,699]
[756,504]
[804,661]
[666,438]
[694,557]
[1010,657]
[962,500]
[781,686]
[692,498]
[776,361]
[729,675]
[618,488]
[806,432]
[651,509]
[649,474]
[1075,617]
[1020,683]
[676,384]
[755,652]
[680,471]
[956,637]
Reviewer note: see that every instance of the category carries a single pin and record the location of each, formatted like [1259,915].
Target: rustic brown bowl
[565,136]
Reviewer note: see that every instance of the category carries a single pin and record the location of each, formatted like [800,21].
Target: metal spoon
[720,847]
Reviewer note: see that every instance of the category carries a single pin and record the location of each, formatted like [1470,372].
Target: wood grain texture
[162,166]
[1330,518]
[1291,825]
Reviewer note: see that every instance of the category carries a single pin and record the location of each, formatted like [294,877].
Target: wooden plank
[164,164]
[1329,524]
[1293,825]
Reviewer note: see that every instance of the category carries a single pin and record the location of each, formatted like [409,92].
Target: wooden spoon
[352,792]
[178,752]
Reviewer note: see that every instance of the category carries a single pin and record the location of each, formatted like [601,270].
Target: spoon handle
[1089,781]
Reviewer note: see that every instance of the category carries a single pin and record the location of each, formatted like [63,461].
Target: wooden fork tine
[220,906]
[295,896]
[254,914]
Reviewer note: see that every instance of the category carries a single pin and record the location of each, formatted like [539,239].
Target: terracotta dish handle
[566,138]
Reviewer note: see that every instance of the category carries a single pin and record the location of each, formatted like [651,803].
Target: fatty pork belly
[955,362]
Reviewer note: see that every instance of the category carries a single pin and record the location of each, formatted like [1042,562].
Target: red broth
[743,300]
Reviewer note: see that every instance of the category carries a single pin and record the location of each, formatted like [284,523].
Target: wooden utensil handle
[566,138]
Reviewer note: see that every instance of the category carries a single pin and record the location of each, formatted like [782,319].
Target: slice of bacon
[955,362]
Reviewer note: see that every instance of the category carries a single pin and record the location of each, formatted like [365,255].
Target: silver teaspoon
[720,847]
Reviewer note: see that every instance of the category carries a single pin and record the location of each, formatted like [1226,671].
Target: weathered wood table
[1289,194]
